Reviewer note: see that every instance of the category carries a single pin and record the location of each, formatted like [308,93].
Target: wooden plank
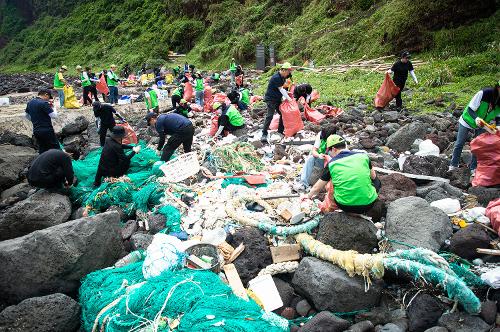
[493,252]
[234,280]
[236,253]
[198,262]
[285,253]
[411,176]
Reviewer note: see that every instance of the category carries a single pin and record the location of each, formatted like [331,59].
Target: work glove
[136,148]
[479,122]
[416,81]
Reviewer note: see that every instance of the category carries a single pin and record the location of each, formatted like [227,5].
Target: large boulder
[328,287]
[423,312]
[463,322]
[396,186]
[51,313]
[428,165]
[40,210]
[13,160]
[75,126]
[346,232]
[412,220]
[56,258]
[465,242]
[9,137]
[402,139]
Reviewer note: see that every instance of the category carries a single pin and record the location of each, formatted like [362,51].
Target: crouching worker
[179,128]
[303,90]
[355,183]
[151,100]
[104,114]
[230,118]
[317,157]
[114,162]
[183,108]
[51,170]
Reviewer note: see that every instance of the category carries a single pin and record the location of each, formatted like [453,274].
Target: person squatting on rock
[60,83]
[274,95]
[40,112]
[114,162]
[51,170]
[151,99]
[355,183]
[177,95]
[230,118]
[180,129]
[317,158]
[484,108]
[401,68]
[104,114]
[183,108]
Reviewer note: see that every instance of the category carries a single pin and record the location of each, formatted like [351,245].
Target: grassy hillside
[135,31]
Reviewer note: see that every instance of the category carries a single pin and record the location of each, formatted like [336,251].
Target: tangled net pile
[236,157]
[121,299]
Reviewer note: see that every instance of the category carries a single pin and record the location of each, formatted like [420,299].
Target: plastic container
[205,249]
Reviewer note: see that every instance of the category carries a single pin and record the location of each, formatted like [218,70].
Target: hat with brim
[150,116]
[216,105]
[183,101]
[78,67]
[117,132]
[286,65]
[64,68]
[333,140]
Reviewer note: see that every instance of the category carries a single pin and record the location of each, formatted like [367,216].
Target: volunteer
[86,82]
[93,81]
[244,100]
[317,158]
[401,68]
[51,170]
[179,128]
[39,111]
[112,82]
[239,76]
[186,67]
[230,118]
[183,108]
[199,89]
[273,97]
[355,183]
[303,90]
[104,114]
[177,95]
[484,108]
[151,99]
[232,70]
[59,84]
[114,162]
[215,77]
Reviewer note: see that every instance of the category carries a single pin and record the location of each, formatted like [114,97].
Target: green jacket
[484,110]
[113,80]
[85,80]
[154,99]
[232,67]
[58,84]
[234,116]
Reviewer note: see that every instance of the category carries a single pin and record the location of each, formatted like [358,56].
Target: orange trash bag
[188,91]
[214,125]
[486,148]
[328,204]
[239,80]
[388,90]
[275,122]
[292,119]
[101,86]
[254,99]
[130,136]
[196,108]
[312,114]
[493,213]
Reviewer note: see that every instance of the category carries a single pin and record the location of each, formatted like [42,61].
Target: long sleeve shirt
[113,162]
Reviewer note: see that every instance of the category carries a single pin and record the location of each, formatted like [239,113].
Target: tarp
[486,148]
[70,100]
[388,90]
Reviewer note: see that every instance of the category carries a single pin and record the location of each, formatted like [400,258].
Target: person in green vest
[151,99]
[112,82]
[215,77]
[59,83]
[230,118]
[244,100]
[232,70]
[317,158]
[484,108]
[183,108]
[355,183]
[86,82]
[177,95]
[199,88]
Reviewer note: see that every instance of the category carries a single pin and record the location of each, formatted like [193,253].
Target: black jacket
[52,165]
[113,162]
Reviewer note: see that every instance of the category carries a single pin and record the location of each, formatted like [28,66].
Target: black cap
[45,92]
[96,105]
[118,132]
[405,54]
[150,115]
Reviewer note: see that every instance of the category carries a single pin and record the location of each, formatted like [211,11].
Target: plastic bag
[70,100]
[208,99]
[188,91]
[493,213]
[214,125]
[328,204]
[221,98]
[447,205]
[330,111]
[130,135]
[492,278]
[314,95]
[427,148]
[239,80]
[196,108]
[254,99]
[101,86]
[292,119]
[388,90]
[312,115]
[486,148]
[164,253]
[275,122]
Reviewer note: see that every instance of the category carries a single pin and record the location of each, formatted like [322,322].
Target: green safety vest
[351,180]
[199,85]
[58,84]
[183,110]
[245,96]
[235,117]
[322,146]
[154,100]
[178,92]
[85,81]
[216,76]
[232,66]
[482,112]
[109,81]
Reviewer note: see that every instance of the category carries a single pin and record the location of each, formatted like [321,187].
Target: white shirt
[473,105]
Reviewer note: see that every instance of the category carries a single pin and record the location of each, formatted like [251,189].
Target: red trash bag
[254,99]
[314,95]
[493,213]
[328,204]
[221,98]
[196,108]
[388,90]
[292,119]
[214,125]
[101,86]
[188,91]
[130,136]
[486,148]
[239,80]
[312,115]
[275,122]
